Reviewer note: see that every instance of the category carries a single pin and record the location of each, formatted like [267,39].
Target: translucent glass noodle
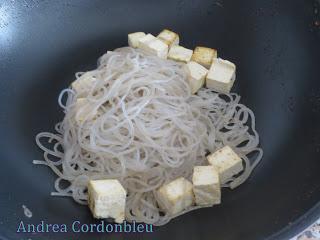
[139,123]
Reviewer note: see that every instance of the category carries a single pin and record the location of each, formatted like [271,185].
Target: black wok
[276,47]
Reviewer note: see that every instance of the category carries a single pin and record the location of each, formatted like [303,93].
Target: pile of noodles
[140,124]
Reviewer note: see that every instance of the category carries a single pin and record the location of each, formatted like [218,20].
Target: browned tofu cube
[204,56]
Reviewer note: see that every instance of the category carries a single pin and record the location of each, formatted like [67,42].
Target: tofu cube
[154,46]
[133,39]
[143,43]
[221,75]
[176,196]
[204,56]
[83,84]
[168,37]
[196,75]
[206,185]
[107,199]
[227,163]
[180,54]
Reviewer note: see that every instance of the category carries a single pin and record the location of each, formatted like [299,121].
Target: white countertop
[312,233]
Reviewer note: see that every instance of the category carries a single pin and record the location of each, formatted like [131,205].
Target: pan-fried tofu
[206,185]
[221,75]
[168,37]
[107,199]
[83,84]
[196,75]
[227,163]
[133,39]
[180,54]
[204,56]
[176,196]
[154,46]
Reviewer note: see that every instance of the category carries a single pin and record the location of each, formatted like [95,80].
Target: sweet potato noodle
[140,124]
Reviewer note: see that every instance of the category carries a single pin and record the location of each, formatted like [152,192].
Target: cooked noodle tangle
[140,124]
